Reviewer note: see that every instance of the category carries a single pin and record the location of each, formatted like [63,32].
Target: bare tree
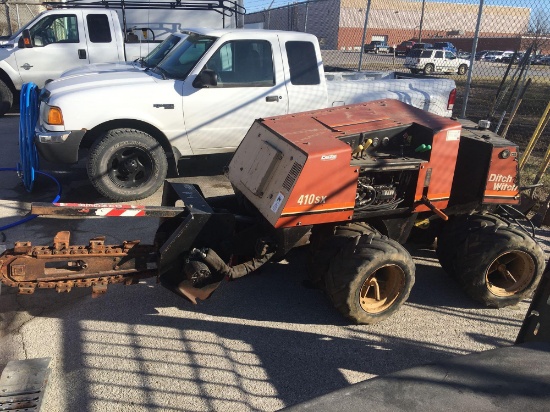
[539,29]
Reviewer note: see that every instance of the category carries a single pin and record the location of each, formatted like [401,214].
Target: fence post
[305,18]
[421,21]
[364,36]
[472,60]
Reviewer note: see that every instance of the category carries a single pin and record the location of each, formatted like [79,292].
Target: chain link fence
[510,38]
[494,29]
[14,15]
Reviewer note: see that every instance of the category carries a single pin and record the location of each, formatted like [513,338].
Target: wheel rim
[510,273]
[461,70]
[428,69]
[381,289]
[130,167]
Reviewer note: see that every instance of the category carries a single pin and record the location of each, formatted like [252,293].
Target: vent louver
[292,176]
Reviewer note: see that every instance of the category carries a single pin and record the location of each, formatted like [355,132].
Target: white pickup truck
[200,99]
[60,39]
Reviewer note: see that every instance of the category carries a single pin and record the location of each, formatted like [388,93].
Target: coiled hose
[28,156]
[28,165]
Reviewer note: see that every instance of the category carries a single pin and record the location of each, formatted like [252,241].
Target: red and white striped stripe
[108,209]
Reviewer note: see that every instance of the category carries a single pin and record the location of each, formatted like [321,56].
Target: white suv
[435,61]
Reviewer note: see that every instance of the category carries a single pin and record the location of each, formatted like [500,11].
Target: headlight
[54,116]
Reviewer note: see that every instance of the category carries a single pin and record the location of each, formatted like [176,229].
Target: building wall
[319,18]
[339,23]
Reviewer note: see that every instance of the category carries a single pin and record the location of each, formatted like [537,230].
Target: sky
[257,5]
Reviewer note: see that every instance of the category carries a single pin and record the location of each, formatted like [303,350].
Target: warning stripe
[101,205]
[119,212]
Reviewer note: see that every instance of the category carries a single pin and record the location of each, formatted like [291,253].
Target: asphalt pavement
[260,343]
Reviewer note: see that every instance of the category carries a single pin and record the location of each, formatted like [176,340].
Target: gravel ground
[260,343]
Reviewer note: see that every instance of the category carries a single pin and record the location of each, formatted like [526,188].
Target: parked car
[515,56]
[404,48]
[489,56]
[445,45]
[480,55]
[423,46]
[542,60]
[377,46]
[435,61]
[498,57]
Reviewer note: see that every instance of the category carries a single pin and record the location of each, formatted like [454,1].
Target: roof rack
[228,8]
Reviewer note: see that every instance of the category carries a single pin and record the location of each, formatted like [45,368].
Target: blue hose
[27,167]
[30,217]
[28,156]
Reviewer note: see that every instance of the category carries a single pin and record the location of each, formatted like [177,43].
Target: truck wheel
[6,98]
[498,263]
[429,68]
[127,164]
[370,278]
[462,69]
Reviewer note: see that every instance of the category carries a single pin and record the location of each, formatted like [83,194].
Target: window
[449,55]
[55,29]
[243,63]
[426,54]
[185,55]
[99,29]
[302,62]
[438,54]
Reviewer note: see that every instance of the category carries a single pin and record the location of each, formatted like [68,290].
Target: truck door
[102,41]
[305,86]
[59,43]
[440,62]
[250,86]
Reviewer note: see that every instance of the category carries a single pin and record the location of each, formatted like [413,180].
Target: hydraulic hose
[28,156]
[27,167]
[30,217]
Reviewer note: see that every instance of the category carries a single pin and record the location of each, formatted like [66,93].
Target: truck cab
[73,34]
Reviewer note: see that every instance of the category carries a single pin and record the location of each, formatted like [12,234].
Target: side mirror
[206,78]
[25,41]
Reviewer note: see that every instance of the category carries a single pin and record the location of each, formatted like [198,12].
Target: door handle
[81,53]
[273,98]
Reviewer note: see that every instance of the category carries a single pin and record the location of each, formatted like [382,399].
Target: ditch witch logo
[503,182]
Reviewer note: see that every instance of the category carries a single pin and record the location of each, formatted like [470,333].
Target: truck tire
[6,98]
[497,263]
[462,69]
[429,68]
[370,278]
[127,164]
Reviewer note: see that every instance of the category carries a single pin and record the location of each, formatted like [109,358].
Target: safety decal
[277,203]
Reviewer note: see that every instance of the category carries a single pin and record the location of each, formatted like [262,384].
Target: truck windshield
[184,57]
[160,52]
[26,26]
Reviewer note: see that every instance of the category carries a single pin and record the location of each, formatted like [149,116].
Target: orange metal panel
[502,186]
